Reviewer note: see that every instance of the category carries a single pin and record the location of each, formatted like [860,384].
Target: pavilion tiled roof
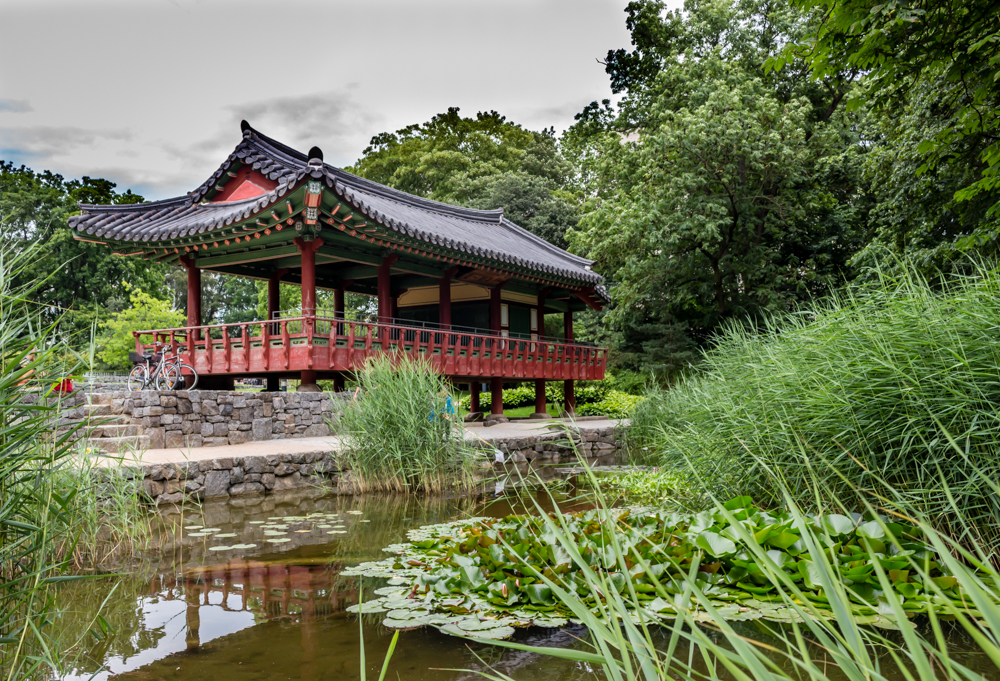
[483,233]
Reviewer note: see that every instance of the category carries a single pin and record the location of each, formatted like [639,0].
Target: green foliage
[508,572]
[889,387]
[401,433]
[615,404]
[722,191]
[931,72]
[83,278]
[483,162]
[146,312]
[646,486]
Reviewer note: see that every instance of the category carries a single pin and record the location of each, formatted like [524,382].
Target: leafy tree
[719,190]
[82,278]
[145,312]
[482,162]
[933,77]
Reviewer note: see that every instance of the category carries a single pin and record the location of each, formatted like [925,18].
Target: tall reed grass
[890,389]
[399,431]
[48,501]
[700,643]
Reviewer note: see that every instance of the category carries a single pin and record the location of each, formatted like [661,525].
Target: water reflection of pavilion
[296,593]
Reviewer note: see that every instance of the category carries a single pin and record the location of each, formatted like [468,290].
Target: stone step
[121,445]
[115,430]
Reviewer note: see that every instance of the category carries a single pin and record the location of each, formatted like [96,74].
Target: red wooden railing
[312,343]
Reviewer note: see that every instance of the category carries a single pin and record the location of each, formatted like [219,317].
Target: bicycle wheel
[168,377]
[138,378]
[189,376]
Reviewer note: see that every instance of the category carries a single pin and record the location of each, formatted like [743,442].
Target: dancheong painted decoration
[468,290]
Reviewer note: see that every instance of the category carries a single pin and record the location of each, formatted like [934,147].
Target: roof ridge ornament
[245,127]
[315,157]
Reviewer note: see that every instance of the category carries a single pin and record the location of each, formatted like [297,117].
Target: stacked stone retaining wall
[208,418]
[242,476]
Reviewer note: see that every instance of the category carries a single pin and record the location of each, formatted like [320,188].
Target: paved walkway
[473,431]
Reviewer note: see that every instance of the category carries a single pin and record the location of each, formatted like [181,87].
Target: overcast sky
[150,93]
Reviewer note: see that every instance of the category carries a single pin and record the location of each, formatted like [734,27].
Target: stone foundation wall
[213,418]
[252,475]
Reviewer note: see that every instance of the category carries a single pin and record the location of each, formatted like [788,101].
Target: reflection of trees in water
[298,581]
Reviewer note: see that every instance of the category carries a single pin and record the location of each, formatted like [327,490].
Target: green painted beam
[248,256]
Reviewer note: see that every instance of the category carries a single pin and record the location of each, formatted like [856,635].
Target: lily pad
[244,546]
[366,607]
[225,535]
[281,540]
[220,548]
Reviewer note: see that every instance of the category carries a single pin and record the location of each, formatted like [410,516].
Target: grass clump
[890,389]
[402,429]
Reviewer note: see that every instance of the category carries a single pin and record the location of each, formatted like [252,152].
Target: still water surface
[278,610]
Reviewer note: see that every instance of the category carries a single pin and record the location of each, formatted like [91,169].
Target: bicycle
[161,371]
[177,375]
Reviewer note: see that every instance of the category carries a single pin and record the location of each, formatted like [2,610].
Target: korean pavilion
[465,289]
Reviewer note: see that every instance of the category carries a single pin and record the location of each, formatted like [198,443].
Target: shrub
[615,404]
[146,313]
[399,430]
[892,387]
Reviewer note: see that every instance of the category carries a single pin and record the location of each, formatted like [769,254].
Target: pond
[272,604]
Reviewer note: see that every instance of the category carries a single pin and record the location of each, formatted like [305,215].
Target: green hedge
[616,404]
[627,383]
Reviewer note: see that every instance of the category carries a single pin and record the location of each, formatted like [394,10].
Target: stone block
[156,438]
[236,475]
[217,484]
[261,429]
[246,488]
[173,486]
[224,463]
[278,403]
[238,437]
[239,401]
[284,469]
[225,410]
[252,477]
[168,419]
[254,464]
[170,498]
[207,430]
[167,400]
[153,411]
[184,406]
[245,414]
[267,479]
[316,430]
[154,472]
[306,469]
[173,438]
[191,486]
[195,440]
[268,409]
[209,408]
[292,481]
[153,488]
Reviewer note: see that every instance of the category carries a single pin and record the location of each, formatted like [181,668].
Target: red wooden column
[384,288]
[308,250]
[338,302]
[540,411]
[338,313]
[273,307]
[444,299]
[385,296]
[193,298]
[496,382]
[474,396]
[569,395]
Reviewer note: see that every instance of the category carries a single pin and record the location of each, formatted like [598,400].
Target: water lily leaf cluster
[496,571]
